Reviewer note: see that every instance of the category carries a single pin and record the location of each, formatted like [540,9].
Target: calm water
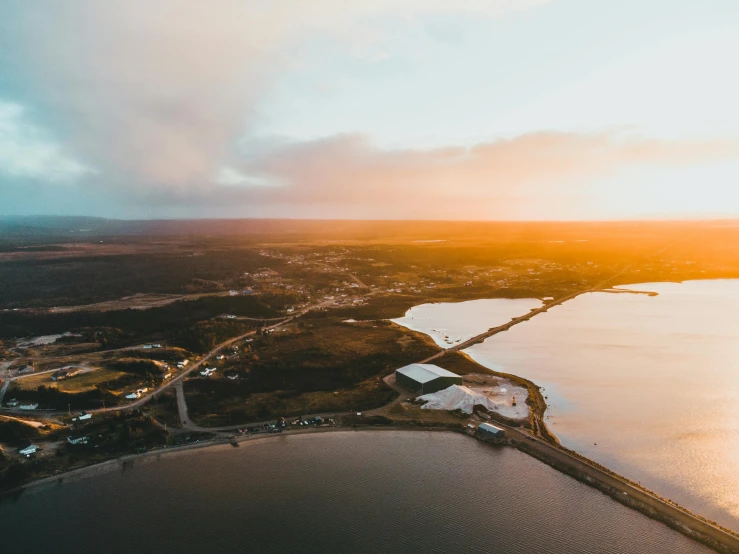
[338,492]
[654,381]
[452,322]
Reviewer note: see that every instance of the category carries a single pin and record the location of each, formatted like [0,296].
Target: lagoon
[450,323]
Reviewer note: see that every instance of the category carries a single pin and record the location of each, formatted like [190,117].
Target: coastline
[569,463]
[553,454]
[83,472]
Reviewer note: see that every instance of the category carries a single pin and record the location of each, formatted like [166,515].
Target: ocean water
[353,492]
[646,385]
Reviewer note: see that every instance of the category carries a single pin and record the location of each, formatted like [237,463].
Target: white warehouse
[426,378]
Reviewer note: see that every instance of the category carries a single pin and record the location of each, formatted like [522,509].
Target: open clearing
[79,383]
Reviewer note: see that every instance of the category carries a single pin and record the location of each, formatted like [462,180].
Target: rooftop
[423,373]
[489,427]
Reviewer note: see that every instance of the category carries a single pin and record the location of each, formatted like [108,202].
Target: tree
[125,434]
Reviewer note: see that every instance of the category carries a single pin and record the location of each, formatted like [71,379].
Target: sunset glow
[501,109]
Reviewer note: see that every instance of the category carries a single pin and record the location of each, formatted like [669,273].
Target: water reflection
[654,381]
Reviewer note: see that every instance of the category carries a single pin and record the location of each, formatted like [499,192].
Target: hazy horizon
[667,218]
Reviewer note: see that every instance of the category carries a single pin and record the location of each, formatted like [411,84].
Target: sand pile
[457,398]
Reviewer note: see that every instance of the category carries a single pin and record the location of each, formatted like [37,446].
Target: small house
[28,450]
[487,430]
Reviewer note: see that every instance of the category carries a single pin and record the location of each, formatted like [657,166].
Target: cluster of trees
[324,358]
[53,398]
[141,367]
[13,473]
[12,431]
[205,335]
[121,326]
[89,279]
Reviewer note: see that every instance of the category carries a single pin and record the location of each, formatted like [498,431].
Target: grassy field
[13,429]
[76,384]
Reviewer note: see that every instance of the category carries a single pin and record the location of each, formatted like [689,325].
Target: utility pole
[69,409]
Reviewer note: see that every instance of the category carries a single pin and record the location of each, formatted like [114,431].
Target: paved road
[144,399]
[592,473]
[190,426]
[4,389]
[182,406]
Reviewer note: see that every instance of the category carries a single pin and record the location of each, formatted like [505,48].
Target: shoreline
[569,463]
[80,472]
[546,449]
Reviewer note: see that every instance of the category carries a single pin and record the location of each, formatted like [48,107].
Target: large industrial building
[426,378]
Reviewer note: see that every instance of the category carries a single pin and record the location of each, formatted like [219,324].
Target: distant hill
[81,227]
[44,225]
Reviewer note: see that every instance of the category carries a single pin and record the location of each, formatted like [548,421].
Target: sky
[370,109]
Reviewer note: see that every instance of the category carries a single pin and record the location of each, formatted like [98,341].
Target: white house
[28,450]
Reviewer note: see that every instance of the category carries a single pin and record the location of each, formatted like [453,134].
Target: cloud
[349,170]
[26,152]
[161,99]
[156,94]
[543,175]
